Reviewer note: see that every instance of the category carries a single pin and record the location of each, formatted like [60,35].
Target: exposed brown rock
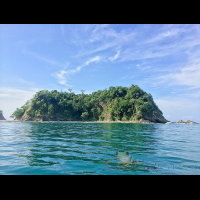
[181,121]
[190,122]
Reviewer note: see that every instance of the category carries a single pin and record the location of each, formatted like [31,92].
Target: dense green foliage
[116,103]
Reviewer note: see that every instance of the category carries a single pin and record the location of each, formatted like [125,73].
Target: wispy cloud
[167,40]
[143,68]
[44,59]
[12,91]
[21,80]
[13,97]
[62,76]
[115,56]
[103,37]
[189,76]
[94,59]
[165,35]
[34,40]
[176,108]
[129,77]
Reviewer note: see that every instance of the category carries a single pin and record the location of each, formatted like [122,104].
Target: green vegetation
[116,103]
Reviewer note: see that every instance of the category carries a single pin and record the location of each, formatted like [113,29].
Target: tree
[1,111]
[70,90]
[85,115]
[82,91]
[25,106]
[123,106]
[18,113]
[132,102]
[61,103]
[50,109]
[93,111]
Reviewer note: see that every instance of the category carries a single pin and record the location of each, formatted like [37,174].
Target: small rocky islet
[182,122]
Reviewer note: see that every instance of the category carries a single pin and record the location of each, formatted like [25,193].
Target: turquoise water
[90,148]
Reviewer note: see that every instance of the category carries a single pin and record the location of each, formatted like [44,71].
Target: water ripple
[81,148]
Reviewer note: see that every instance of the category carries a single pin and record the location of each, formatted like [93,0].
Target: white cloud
[186,76]
[63,75]
[47,60]
[179,108]
[115,56]
[21,80]
[147,46]
[94,59]
[128,77]
[103,37]
[143,68]
[12,98]
[34,40]
[166,34]
[60,76]
[4,95]
[189,75]
[102,32]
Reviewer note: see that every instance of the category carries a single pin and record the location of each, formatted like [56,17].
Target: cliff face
[156,118]
[2,117]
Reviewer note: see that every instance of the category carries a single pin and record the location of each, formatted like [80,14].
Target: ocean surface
[90,148]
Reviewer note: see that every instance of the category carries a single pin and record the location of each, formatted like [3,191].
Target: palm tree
[82,91]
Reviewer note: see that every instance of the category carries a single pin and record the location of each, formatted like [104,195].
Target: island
[182,122]
[116,104]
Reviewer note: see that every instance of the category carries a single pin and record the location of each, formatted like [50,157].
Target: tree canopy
[115,103]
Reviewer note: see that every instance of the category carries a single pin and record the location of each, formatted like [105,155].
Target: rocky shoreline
[139,122]
[134,122]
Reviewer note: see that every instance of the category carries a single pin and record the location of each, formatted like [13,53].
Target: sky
[163,60]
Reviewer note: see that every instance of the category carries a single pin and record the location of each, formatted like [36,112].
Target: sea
[74,148]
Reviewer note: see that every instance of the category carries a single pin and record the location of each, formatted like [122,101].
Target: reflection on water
[85,148]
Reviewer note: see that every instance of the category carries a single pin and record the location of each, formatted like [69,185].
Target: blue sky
[163,60]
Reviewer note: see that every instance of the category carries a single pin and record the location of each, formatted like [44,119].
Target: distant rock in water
[1,116]
[187,122]
[181,121]
[190,122]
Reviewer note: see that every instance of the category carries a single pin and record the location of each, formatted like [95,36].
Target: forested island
[115,104]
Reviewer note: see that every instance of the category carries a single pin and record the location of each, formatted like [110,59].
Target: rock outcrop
[2,117]
[156,118]
[190,122]
[182,122]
